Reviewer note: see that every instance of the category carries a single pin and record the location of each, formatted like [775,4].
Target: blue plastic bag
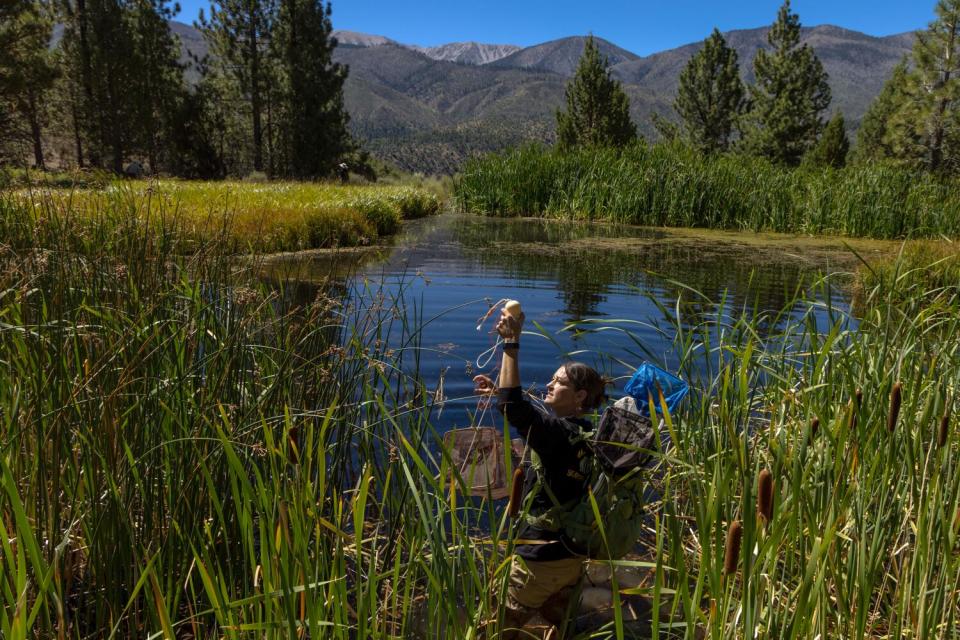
[644,384]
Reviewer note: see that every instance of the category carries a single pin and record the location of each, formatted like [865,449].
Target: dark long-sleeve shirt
[560,447]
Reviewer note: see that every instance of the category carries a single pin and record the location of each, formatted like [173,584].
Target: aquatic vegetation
[674,186]
[185,451]
[731,553]
[765,495]
[927,268]
[252,217]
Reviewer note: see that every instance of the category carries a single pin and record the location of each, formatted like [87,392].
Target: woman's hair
[585,378]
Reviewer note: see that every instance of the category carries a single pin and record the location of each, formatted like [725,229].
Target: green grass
[184,451]
[253,217]
[671,185]
[928,269]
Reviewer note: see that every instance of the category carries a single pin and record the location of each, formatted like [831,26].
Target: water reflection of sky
[449,269]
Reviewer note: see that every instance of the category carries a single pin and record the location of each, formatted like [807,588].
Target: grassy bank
[260,217]
[927,268]
[671,185]
[186,453]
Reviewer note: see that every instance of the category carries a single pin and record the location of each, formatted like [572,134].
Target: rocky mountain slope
[428,108]
[468,52]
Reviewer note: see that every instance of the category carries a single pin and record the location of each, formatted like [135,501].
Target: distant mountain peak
[357,39]
[562,56]
[463,52]
[468,52]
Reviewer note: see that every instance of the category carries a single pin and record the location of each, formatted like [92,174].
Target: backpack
[620,447]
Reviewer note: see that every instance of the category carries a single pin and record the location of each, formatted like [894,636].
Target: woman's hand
[484,385]
[509,327]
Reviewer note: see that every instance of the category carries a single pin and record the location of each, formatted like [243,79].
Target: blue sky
[642,26]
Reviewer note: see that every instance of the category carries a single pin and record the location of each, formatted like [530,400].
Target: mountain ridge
[429,108]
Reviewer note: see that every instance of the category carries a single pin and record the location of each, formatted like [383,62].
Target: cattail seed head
[895,400]
[515,490]
[855,407]
[731,556]
[944,430]
[765,495]
[814,427]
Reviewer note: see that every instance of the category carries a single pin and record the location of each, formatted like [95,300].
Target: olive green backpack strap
[553,518]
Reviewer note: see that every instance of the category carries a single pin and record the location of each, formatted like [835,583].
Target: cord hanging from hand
[487,355]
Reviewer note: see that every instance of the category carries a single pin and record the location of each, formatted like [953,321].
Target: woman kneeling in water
[547,565]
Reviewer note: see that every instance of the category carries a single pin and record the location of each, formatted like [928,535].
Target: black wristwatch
[511,344]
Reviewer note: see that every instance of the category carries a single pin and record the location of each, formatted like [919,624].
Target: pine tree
[789,95]
[238,34]
[598,110]
[158,86]
[873,142]
[710,97]
[314,132]
[123,87]
[77,84]
[98,32]
[925,129]
[192,144]
[27,69]
[832,148]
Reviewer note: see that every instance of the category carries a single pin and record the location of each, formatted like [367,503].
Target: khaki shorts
[532,583]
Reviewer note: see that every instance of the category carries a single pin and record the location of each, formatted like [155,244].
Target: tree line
[107,76]
[913,122]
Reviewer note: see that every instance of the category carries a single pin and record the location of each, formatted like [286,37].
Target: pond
[450,269]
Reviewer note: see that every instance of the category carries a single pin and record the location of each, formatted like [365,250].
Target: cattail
[814,427]
[944,430]
[855,407]
[895,399]
[765,495]
[515,489]
[731,557]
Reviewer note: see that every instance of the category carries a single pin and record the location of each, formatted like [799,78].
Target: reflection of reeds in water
[188,453]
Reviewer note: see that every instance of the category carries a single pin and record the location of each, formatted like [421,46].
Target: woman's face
[562,397]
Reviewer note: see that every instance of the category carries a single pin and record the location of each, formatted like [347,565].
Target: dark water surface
[449,270]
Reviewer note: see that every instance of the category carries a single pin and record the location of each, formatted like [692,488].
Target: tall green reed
[673,185]
[863,540]
[187,452]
